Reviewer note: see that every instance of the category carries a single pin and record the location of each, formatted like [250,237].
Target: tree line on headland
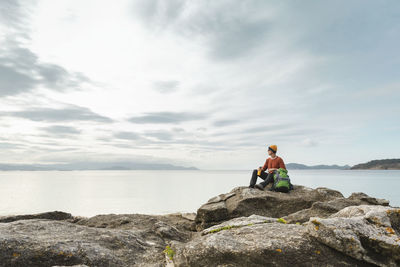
[383,164]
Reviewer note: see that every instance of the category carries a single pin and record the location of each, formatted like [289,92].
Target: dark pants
[267,177]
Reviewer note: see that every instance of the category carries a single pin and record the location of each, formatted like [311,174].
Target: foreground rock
[246,227]
[367,233]
[258,241]
[53,215]
[243,201]
[47,243]
[107,240]
[325,209]
[169,227]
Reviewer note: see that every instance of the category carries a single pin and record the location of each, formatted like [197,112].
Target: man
[272,164]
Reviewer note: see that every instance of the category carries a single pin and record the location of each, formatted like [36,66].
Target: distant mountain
[297,166]
[81,166]
[383,164]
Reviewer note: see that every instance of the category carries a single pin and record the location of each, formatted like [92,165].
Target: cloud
[222,123]
[56,77]
[156,136]
[166,117]
[7,145]
[309,142]
[265,128]
[21,71]
[61,130]
[159,12]
[226,26]
[166,87]
[161,135]
[13,82]
[72,113]
[11,13]
[127,136]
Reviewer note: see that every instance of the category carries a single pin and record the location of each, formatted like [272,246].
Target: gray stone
[243,201]
[366,233]
[52,215]
[325,209]
[105,240]
[369,200]
[239,222]
[257,242]
[168,227]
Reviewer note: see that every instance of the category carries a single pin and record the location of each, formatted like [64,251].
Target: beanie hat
[273,148]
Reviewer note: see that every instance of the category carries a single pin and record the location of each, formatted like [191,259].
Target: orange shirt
[273,163]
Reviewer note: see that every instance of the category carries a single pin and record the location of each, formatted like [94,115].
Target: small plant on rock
[227,227]
[169,252]
[281,220]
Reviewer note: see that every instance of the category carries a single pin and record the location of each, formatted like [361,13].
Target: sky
[206,83]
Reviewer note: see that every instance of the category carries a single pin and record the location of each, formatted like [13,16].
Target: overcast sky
[199,83]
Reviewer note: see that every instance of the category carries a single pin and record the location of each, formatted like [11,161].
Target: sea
[88,193]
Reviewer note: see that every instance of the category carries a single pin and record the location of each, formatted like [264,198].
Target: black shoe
[258,186]
[251,186]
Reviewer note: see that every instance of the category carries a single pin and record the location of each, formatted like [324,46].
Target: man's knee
[255,171]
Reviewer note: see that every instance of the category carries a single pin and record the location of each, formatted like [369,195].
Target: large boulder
[51,215]
[367,233]
[103,240]
[48,243]
[168,227]
[325,209]
[244,201]
[258,241]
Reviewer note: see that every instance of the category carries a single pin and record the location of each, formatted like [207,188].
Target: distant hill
[297,166]
[82,166]
[383,164]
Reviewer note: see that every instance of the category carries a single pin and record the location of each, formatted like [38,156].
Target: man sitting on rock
[272,164]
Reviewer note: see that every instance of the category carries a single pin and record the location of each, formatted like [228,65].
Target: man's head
[272,150]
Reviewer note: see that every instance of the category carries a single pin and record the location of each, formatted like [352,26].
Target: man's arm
[265,167]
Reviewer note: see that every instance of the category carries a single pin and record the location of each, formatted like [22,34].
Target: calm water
[89,193]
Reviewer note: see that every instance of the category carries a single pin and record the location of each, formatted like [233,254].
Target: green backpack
[281,181]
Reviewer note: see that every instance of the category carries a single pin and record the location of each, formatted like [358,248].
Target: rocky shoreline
[245,227]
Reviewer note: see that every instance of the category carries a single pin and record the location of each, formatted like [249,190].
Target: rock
[103,240]
[189,216]
[168,232]
[168,227]
[48,243]
[52,215]
[325,209]
[256,241]
[245,227]
[368,200]
[239,222]
[243,201]
[366,233]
